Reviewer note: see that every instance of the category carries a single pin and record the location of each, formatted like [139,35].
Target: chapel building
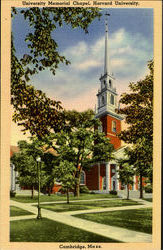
[103,176]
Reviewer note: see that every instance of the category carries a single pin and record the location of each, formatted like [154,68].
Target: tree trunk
[77,185]
[49,191]
[141,186]
[128,190]
[77,189]
[32,192]
[68,199]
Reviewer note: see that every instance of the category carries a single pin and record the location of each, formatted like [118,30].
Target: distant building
[13,174]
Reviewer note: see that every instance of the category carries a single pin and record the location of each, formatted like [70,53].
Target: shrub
[148,189]
[12,193]
[113,192]
[92,192]
[84,190]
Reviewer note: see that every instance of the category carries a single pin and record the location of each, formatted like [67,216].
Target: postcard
[81,124]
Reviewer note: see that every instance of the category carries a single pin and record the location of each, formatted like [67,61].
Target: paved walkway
[117,233]
[62,202]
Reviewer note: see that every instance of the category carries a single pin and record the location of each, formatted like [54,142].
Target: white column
[117,176]
[107,176]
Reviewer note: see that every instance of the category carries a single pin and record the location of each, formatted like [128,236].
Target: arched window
[103,99]
[112,99]
[82,178]
[110,83]
[114,126]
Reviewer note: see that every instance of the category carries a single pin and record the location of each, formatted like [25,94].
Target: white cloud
[129,54]
[87,64]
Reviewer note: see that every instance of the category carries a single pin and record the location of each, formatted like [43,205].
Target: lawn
[88,205]
[16,211]
[136,219]
[46,230]
[148,199]
[55,197]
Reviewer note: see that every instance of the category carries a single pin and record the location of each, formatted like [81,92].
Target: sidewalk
[117,233]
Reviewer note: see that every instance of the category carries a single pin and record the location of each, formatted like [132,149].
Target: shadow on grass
[16,211]
[45,230]
[74,206]
[136,219]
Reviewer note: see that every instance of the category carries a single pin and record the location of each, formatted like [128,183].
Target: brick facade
[107,129]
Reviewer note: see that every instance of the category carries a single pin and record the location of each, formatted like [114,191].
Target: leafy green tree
[33,110]
[138,111]
[65,174]
[48,159]
[80,144]
[25,164]
[138,156]
[126,173]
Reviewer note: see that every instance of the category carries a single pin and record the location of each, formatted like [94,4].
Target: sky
[76,85]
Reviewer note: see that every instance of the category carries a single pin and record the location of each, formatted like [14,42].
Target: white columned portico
[107,176]
[12,185]
[117,177]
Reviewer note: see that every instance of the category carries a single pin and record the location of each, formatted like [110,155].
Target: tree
[138,156]
[126,173]
[79,144]
[33,110]
[25,164]
[138,111]
[65,174]
[48,159]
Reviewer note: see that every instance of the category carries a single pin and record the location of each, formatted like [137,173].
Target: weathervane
[106,20]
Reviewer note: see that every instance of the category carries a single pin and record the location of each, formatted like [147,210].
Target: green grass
[16,211]
[45,230]
[54,197]
[88,205]
[136,219]
[148,199]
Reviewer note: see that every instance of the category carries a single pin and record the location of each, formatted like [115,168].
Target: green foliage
[64,173]
[33,110]
[43,49]
[84,190]
[126,172]
[148,188]
[79,143]
[26,165]
[138,111]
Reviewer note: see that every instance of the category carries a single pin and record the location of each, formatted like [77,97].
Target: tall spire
[106,63]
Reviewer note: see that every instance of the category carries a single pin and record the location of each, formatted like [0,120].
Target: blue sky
[76,85]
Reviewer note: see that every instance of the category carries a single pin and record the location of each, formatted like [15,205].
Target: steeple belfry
[107,95]
[106,63]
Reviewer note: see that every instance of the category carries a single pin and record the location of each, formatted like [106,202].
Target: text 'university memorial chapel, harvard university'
[102,176]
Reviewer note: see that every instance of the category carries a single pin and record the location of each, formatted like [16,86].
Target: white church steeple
[107,95]
[106,63]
